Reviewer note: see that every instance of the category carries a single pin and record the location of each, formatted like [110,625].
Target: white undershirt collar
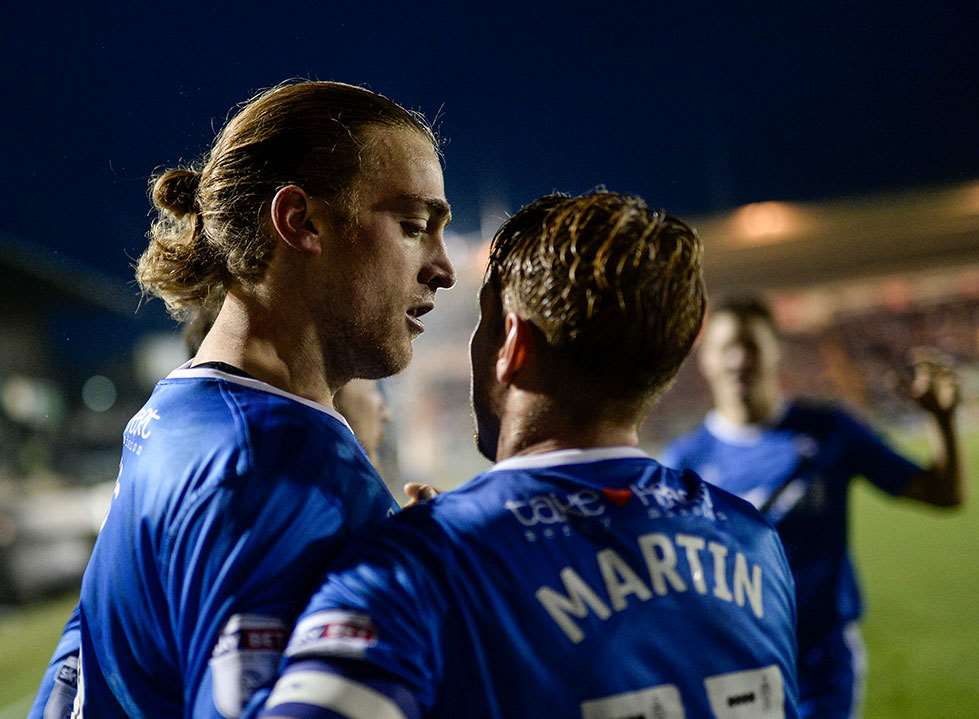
[742,434]
[185,371]
[568,456]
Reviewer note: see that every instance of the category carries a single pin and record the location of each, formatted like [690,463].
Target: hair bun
[176,191]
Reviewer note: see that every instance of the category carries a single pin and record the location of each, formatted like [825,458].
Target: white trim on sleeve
[333,692]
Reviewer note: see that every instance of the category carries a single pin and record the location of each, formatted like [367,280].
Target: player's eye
[413,229]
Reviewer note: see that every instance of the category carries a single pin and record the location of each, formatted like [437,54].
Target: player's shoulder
[739,513]
[272,435]
[479,507]
[816,409]
[494,496]
[683,491]
[265,416]
[722,514]
[820,416]
[488,503]
[471,505]
[686,445]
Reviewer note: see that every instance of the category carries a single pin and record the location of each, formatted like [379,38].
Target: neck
[248,334]
[532,424]
[758,408]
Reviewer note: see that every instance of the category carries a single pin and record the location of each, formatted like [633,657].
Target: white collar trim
[185,371]
[741,434]
[568,456]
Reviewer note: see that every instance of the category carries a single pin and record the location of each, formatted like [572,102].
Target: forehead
[400,161]
[725,327]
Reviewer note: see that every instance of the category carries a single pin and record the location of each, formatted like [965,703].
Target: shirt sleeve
[369,642]
[56,694]
[679,453]
[239,570]
[872,458]
[670,457]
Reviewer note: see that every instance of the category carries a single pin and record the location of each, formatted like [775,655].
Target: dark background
[699,107]
[696,107]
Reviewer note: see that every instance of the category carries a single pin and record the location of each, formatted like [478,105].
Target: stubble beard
[376,349]
[487,425]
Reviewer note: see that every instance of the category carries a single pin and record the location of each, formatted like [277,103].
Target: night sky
[697,108]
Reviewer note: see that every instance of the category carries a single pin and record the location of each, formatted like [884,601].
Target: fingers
[929,359]
[934,384]
[417,492]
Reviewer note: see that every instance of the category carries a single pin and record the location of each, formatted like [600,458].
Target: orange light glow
[970,198]
[761,223]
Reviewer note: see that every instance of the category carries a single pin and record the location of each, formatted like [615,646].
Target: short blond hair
[615,288]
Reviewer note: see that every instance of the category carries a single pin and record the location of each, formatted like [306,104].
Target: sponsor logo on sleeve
[333,633]
[662,702]
[245,657]
[68,672]
[752,694]
[62,698]
[139,429]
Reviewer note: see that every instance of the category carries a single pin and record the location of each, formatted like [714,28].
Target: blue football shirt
[798,472]
[593,583]
[232,497]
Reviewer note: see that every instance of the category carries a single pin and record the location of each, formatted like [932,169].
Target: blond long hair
[211,227]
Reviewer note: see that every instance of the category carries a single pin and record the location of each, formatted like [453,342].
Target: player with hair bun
[578,577]
[313,228]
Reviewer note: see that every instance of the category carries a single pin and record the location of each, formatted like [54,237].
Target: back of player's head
[745,307]
[615,288]
[211,226]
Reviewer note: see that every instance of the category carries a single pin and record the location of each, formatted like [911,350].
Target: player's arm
[934,387]
[240,597]
[325,689]
[56,694]
[368,645]
[936,390]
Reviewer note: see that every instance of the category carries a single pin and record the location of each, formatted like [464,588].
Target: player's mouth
[413,313]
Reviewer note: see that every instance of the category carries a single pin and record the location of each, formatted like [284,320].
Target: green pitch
[27,638]
[920,571]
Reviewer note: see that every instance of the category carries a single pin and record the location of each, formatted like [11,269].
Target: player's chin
[397,363]
[487,435]
[485,447]
[389,358]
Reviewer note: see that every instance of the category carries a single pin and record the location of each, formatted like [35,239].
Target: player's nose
[739,357]
[438,272]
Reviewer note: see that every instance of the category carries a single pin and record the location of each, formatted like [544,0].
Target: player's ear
[513,355]
[293,222]
[701,354]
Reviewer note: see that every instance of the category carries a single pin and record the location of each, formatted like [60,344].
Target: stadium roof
[782,245]
[39,278]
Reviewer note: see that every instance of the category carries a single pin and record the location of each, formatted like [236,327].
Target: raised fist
[934,384]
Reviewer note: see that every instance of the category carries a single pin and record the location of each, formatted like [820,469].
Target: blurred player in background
[794,461]
[362,404]
[577,577]
[316,221]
